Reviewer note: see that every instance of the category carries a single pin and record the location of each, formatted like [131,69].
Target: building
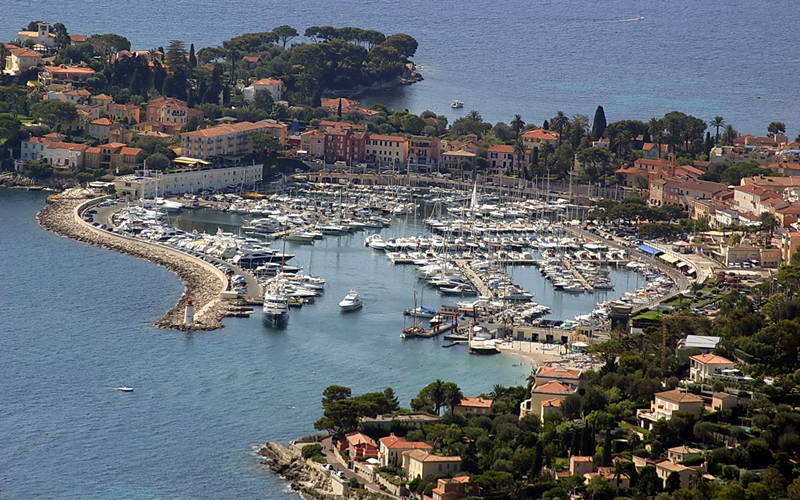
[667,467]
[32,148]
[579,466]
[125,112]
[545,392]
[681,191]
[40,37]
[476,406]
[550,407]
[420,464]
[346,144]
[313,143]
[704,343]
[762,257]
[681,453]
[20,59]
[77,97]
[790,243]
[708,366]
[169,109]
[424,153]
[388,150]
[665,404]
[753,198]
[391,448]
[113,156]
[453,488]
[101,128]
[451,160]
[271,85]
[652,150]
[359,446]
[558,373]
[723,401]
[501,158]
[75,75]
[222,140]
[65,155]
[197,176]
[538,137]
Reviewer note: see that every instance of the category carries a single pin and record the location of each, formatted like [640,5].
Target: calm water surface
[77,323]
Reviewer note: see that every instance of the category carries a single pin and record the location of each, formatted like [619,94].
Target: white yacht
[276,303]
[351,302]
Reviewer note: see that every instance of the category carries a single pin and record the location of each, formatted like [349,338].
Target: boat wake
[640,18]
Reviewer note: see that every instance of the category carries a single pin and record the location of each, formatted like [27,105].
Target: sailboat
[415,329]
[276,300]
[420,311]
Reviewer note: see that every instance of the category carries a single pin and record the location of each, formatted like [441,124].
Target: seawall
[202,281]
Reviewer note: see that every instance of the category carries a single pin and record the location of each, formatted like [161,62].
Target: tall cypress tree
[536,468]
[575,446]
[599,124]
[607,449]
[587,442]
[192,57]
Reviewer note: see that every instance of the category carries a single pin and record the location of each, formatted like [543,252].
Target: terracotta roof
[553,387]
[476,402]
[577,458]
[465,154]
[268,81]
[224,129]
[76,38]
[424,456]
[398,442]
[559,372]
[357,438]
[541,134]
[22,52]
[679,396]
[711,359]
[552,403]
[102,122]
[670,466]
[501,148]
[391,138]
[69,69]
[684,449]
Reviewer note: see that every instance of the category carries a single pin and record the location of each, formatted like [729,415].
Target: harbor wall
[202,281]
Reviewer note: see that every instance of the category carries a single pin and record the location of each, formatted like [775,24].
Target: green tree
[55,113]
[285,33]
[717,122]
[729,135]
[517,124]
[775,128]
[405,45]
[62,35]
[157,161]
[599,124]
[452,396]
[559,123]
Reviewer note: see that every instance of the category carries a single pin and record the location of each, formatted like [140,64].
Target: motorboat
[276,303]
[351,302]
[457,104]
[420,312]
[125,388]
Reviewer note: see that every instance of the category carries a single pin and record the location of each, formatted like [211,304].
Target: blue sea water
[736,59]
[76,323]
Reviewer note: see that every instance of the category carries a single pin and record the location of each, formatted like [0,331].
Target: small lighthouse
[188,316]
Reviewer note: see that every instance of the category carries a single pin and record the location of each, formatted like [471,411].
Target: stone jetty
[203,282]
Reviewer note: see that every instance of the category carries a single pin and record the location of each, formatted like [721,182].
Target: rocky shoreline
[202,285]
[303,478]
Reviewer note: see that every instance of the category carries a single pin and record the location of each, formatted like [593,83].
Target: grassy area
[626,425]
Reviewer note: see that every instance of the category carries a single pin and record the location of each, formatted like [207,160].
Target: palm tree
[560,122]
[768,223]
[474,116]
[620,469]
[717,122]
[656,128]
[729,135]
[452,396]
[519,152]
[696,286]
[497,391]
[517,124]
[437,395]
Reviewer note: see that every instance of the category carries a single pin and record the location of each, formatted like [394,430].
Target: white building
[40,37]
[189,181]
[271,85]
[709,366]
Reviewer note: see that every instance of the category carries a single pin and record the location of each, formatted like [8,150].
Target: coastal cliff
[303,478]
[201,284]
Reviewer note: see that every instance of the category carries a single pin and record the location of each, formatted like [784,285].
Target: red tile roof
[712,359]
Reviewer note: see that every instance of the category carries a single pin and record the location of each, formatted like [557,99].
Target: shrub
[311,450]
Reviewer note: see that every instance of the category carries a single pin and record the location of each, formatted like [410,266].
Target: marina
[467,249]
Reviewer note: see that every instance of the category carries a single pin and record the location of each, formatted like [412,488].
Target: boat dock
[578,276]
[433,331]
[472,276]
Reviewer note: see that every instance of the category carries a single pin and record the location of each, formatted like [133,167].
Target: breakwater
[203,283]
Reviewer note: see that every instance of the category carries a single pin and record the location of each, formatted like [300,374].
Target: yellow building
[419,463]
[387,149]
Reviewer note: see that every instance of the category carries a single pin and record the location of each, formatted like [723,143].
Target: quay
[578,276]
[472,276]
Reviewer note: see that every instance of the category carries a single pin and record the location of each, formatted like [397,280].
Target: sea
[76,323]
[639,60]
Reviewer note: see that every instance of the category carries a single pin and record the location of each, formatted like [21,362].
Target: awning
[668,258]
[649,249]
[681,264]
[190,161]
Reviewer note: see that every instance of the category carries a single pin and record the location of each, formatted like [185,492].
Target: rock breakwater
[202,284]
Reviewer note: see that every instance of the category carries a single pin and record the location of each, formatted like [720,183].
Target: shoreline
[201,284]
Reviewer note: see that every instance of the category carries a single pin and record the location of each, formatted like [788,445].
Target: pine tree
[606,459]
[536,468]
[599,124]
